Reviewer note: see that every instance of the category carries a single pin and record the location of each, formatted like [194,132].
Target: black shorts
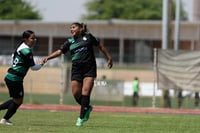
[80,71]
[16,89]
[135,94]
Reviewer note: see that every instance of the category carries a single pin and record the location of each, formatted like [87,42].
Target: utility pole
[177,25]
[165,24]
[166,41]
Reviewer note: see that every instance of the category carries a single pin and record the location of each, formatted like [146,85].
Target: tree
[17,9]
[127,9]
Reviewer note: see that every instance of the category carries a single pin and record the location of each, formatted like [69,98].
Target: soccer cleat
[87,114]
[79,122]
[6,122]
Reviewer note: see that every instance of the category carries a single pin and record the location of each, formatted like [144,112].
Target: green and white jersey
[22,61]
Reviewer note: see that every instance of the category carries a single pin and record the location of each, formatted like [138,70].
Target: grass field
[188,103]
[45,121]
[38,121]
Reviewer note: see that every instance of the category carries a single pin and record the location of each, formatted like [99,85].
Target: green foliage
[17,9]
[127,9]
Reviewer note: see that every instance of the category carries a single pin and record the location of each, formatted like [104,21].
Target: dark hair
[25,35]
[81,25]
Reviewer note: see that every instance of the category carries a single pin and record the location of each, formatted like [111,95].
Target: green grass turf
[38,121]
[188,102]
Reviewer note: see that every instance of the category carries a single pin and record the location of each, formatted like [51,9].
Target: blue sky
[71,10]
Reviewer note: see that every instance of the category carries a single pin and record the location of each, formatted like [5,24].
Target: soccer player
[84,68]
[22,61]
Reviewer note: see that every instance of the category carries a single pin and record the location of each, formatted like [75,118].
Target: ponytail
[83,26]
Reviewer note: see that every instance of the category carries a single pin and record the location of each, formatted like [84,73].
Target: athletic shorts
[80,71]
[16,89]
[135,94]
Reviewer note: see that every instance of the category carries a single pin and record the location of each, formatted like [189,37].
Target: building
[129,42]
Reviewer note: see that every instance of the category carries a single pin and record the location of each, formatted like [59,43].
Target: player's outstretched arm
[51,56]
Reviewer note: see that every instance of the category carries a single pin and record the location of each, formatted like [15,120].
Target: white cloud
[60,10]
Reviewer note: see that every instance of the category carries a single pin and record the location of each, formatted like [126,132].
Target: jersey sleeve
[65,47]
[27,55]
[29,59]
[95,41]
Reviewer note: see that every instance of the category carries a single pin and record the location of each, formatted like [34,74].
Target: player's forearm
[105,52]
[109,58]
[54,55]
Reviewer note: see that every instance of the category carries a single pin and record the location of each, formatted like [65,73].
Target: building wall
[196,11]
[128,41]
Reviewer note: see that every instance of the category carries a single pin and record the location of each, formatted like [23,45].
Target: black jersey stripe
[14,72]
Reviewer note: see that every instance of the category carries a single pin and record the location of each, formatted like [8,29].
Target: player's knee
[18,101]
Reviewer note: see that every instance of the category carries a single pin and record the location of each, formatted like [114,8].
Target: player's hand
[41,63]
[110,64]
[43,60]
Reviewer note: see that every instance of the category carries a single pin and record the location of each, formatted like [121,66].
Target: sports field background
[42,113]
[44,87]
[61,119]
[48,80]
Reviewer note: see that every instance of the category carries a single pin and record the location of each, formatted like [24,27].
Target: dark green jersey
[81,48]
[22,61]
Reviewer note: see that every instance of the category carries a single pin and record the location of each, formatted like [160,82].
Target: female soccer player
[84,68]
[22,61]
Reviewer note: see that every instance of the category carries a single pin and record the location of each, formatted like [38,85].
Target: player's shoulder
[70,39]
[92,37]
[89,34]
[26,51]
